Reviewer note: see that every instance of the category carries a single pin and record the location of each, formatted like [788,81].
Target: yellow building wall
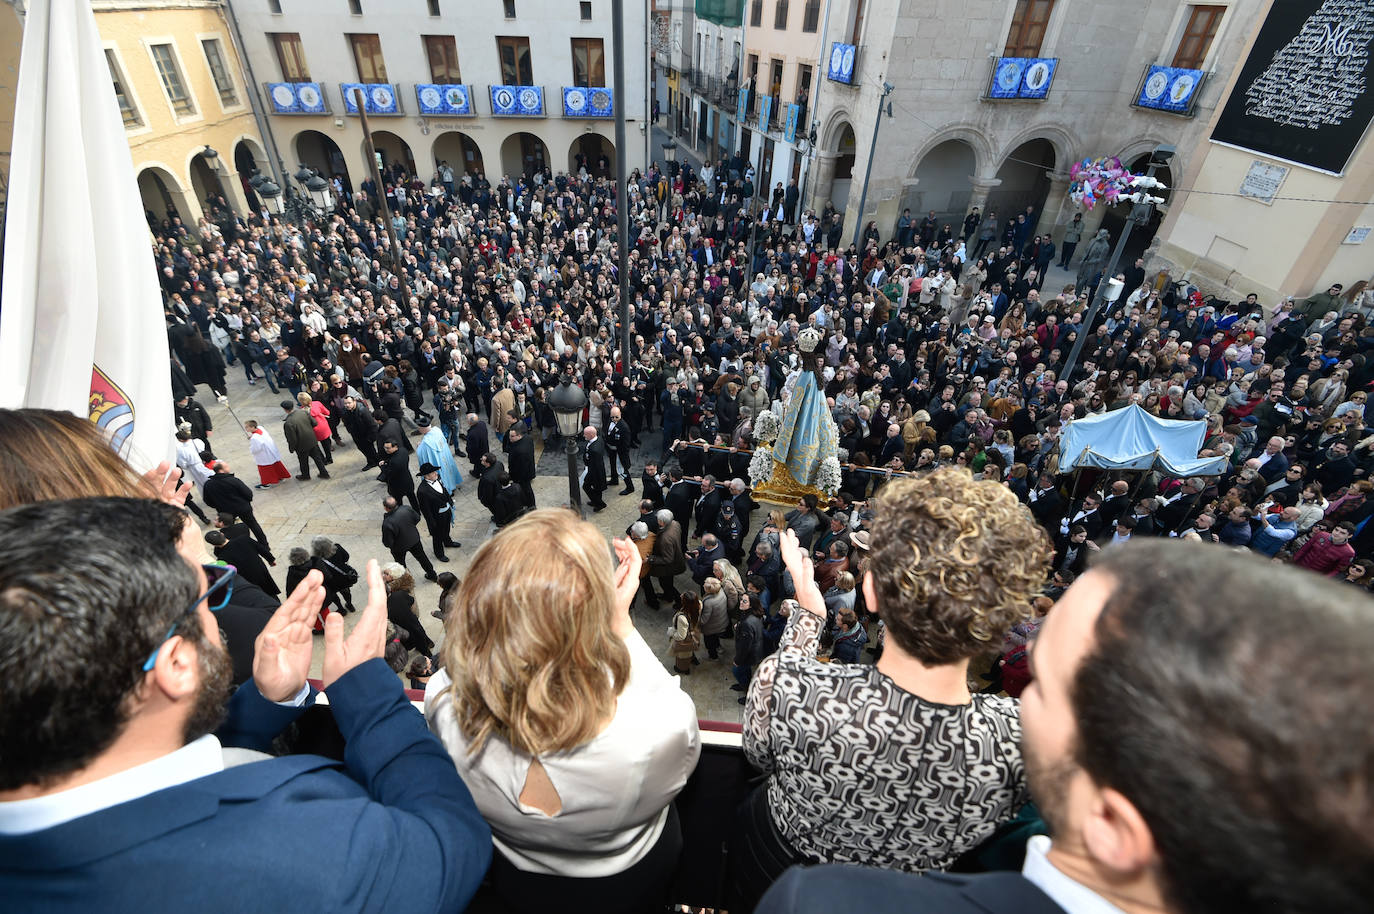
[11,34]
[165,143]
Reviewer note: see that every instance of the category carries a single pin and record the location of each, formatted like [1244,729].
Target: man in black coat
[243,552]
[648,480]
[1046,504]
[227,493]
[681,498]
[242,619]
[436,506]
[478,442]
[392,431]
[618,449]
[362,428]
[522,465]
[189,411]
[489,483]
[509,502]
[594,468]
[707,506]
[401,534]
[396,474]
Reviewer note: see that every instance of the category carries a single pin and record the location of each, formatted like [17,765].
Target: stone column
[233,189]
[981,188]
[822,181]
[1058,207]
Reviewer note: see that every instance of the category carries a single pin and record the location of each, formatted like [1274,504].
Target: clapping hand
[281,655]
[798,564]
[165,480]
[368,638]
[626,582]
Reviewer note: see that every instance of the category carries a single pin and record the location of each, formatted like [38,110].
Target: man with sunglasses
[118,793]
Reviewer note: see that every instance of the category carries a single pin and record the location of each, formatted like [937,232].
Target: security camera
[888,87]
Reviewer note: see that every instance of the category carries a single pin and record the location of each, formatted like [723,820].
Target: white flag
[81,325]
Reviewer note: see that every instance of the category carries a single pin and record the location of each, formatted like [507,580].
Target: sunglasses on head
[219,587]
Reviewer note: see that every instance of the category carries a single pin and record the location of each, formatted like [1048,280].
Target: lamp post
[1140,215]
[271,196]
[868,168]
[670,156]
[568,400]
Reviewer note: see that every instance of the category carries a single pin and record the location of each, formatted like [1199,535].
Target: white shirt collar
[194,760]
[1070,895]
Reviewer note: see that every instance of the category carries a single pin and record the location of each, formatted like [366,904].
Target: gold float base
[783,489]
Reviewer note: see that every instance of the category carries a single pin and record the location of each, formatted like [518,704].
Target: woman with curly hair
[895,765]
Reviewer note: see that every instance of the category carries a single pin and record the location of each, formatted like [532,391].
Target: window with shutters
[811,15]
[1198,35]
[126,102]
[589,62]
[290,56]
[1028,28]
[169,71]
[442,51]
[516,67]
[780,16]
[755,13]
[219,72]
[367,57]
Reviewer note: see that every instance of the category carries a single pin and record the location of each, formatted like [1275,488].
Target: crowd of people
[556,741]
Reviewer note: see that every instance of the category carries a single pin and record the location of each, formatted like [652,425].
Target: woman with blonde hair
[731,584]
[547,688]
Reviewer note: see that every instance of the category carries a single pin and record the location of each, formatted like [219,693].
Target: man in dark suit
[396,473]
[509,502]
[522,464]
[648,481]
[436,506]
[111,804]
[478,442]
[707,506]
[1046,504]
[243,553]
[593,468]
[1254,786]
[227,493]
[618,449]
[401,534]
[681,498]
[249,611]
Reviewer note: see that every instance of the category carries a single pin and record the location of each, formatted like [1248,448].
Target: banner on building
[81,320]
[444,99]
[1305,93]
[742,106]
[729,13]
[790,131]
[765,112]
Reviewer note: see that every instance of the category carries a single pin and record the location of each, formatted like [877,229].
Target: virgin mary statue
[808,435]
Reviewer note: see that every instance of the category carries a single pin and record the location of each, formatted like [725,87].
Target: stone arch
[164,195]
[522,153]
[460,151]
[942,184]
[831,129]
[1064,143]
[975,138]
[207,177]
[592,147]
[394,151]
[320,152]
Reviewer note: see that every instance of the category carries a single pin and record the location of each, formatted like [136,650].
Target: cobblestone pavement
[348,509]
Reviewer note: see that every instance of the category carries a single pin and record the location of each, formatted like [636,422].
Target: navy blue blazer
[392,829]
[826,889]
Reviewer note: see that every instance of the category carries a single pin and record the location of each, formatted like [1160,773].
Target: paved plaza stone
[348,509]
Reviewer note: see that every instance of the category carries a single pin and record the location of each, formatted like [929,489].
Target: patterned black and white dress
[861,771]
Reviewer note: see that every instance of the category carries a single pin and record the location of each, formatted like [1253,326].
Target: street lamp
[210,155]
[319,192]
[568,400]
[1141,210]
[888,89]
[271,195]
[670,156]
